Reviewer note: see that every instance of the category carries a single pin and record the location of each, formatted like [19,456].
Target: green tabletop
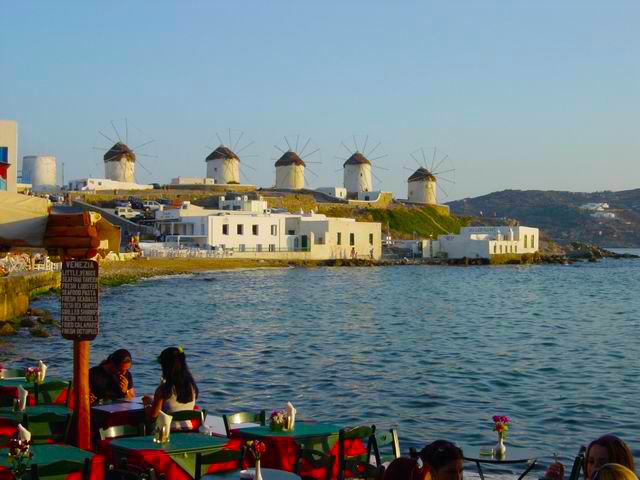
[178,443]
[46,454]
[301,430]
[15,382]
[7,412]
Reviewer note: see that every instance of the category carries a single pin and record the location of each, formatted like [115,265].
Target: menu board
[79,296]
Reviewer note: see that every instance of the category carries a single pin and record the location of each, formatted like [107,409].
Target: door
[304,240]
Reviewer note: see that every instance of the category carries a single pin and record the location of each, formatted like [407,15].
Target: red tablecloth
[12,392]
[97,471]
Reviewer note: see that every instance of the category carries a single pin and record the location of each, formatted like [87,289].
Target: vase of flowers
[19,456]
[278,420]
[501,425]
[32,374]
[257,448]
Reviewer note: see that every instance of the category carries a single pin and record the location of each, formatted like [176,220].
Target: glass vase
[258,475]
[501,448]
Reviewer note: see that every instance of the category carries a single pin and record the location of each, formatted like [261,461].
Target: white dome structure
[119,164]
[357,174]
[223,165]
[40,171]
[290,171]
[421,186]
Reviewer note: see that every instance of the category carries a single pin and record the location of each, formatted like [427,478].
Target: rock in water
[6,329]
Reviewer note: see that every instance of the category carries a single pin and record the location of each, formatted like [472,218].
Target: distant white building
[357,174]
[96,184]
[8,155]
[601,214]
[336,192]
[249,234]
[369,196]
[595,207]
[483,242]
[192,181]
[243,203]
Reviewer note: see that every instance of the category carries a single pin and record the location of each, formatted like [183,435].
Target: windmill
[423,184]
[223,163]
[357,166]
[120,159]
[291,166]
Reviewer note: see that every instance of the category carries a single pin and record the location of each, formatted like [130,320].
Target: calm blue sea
[435,351]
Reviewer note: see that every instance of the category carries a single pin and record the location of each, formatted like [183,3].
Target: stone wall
[16,290]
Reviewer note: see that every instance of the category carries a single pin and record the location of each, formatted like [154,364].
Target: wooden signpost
[79,316]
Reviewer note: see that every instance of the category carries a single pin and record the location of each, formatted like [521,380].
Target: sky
[519,94]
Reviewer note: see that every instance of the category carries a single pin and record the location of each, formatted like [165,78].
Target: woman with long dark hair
[177,391]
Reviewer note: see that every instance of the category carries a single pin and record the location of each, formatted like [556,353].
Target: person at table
[177,391]
[614,471]
[440,460]
[112,380]
[603,450]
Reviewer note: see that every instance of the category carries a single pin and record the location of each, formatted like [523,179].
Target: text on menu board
[79,300]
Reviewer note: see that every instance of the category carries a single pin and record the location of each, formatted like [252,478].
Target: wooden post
[82,412]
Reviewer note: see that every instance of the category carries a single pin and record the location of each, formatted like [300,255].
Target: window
[371,239]
[352,239]
[495,248]
[272,247]
[202,229]
[525,241]
[274,230]
[236,207]
[258,248]
[240,229]
[241,247]
[291,232]
[500,248]
[319,240]
[339,239]
[225,229]
[533,241]
[254,229]
[516,248]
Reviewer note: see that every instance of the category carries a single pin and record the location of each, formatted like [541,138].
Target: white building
[95,184]
[243,203]
[8,155]
[270,235]
[336,192]
[601,214]
[193,181]
[595,207]
[483,242]
[369,196]
[119,164]
[39,171]
[357,174]
[223,165]
[421,187]
[290,171]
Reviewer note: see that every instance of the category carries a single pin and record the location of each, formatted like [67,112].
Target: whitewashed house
[243,203]
[483,242]
[251,234]
[96,184]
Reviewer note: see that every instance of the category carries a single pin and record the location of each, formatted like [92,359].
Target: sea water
[433,351]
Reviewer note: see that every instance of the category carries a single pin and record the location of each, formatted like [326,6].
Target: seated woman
[440,460]
[178,391]
[112,380]
[606,449]
[614,471]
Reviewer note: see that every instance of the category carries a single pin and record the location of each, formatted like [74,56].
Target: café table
[515,455]
[9,388]
[9,419]
[117,413]
[249,474]
[50,453]
[281,446]
[176,459]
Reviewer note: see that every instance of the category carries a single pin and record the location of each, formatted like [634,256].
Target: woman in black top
[111,380]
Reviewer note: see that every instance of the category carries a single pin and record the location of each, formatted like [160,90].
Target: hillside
[559,214]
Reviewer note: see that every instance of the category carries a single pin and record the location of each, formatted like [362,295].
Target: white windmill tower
[290,167]
[422,185]
[357,168]
[223,163]
[120,159]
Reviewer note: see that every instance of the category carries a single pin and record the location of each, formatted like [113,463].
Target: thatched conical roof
[357,159]
[118,151]
[420,175]
[222,153]
[289,158]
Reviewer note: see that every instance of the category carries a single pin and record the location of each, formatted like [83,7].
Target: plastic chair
[243,417]
[578,464]
[357,466]
[122,431]
[204,460]
[46,393]
[131,472]
[188,415]
[383,439]
[315,459]
[48,427]
[63,467]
